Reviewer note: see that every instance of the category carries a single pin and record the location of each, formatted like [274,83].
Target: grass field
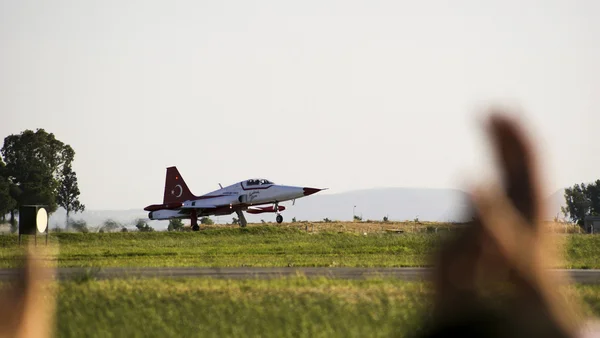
[285,307]
[266,246]
[295,307]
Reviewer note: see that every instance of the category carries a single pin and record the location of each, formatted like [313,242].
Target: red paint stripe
[258,188]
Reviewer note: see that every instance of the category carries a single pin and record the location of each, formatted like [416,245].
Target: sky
[338,94]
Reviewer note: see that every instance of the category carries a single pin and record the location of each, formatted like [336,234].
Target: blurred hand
[493,278]
[27,305]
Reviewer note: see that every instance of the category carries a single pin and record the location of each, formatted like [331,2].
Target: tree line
[36,169]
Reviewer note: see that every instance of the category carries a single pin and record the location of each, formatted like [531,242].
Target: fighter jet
[250,195]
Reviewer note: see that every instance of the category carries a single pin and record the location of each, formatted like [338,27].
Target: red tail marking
[175,188]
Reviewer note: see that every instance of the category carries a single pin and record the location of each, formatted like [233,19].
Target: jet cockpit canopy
[258,182]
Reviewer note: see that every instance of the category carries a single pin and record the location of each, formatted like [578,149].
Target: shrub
[175,224]
[79,226]
[109,225]
[143,226]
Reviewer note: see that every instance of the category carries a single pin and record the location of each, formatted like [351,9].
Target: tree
[34,161]
[143,226]
[79,226]
[582,200]
[235,221]
[593,194]
[110,225]
[206,220]
[68,191]
[7,202]
[175,224]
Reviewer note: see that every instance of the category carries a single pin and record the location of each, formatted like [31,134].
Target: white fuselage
[238,196]
[248,195]
[242,193]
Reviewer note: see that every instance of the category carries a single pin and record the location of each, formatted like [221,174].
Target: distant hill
[555,202]
[398,204]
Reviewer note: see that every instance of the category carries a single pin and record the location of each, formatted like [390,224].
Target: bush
[206,220]
[175,224]
[143,226]
[79,226]
[109,225]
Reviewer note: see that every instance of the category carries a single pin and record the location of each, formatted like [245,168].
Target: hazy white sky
[339,94]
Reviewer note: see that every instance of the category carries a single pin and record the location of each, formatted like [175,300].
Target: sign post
[33,220]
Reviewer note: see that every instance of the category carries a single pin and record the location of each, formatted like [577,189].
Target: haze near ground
[398,204]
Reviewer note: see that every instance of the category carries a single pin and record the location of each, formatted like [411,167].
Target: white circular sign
[41,220]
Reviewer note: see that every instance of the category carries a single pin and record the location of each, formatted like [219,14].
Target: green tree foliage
[582,200]
[110,225]
[175,224]
[206,220]
[68,191]
[34,163]
[593,193]
[235,221]
[7,202]
[143,226]
[79,226]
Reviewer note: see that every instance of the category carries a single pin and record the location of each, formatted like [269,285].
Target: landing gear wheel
[279,218]
[196,228]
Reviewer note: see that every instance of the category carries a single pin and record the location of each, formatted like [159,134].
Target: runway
[579,276]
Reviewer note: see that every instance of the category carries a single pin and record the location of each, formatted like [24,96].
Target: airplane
[249,195]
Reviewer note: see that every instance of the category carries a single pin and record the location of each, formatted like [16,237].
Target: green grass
[583,251]
[262,246]
[294,307]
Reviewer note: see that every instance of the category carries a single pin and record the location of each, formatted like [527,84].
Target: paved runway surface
[579,276]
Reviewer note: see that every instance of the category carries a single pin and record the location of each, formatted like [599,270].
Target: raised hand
[493,278]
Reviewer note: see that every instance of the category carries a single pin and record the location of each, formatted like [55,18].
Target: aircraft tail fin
[175,188]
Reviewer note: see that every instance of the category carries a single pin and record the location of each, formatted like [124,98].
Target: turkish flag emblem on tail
[175,188]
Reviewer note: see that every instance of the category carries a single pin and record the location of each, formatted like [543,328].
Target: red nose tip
[310,191]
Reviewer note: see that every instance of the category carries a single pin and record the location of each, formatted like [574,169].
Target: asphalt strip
[579,276]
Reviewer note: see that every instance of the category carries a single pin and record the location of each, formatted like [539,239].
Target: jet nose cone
[310,191]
